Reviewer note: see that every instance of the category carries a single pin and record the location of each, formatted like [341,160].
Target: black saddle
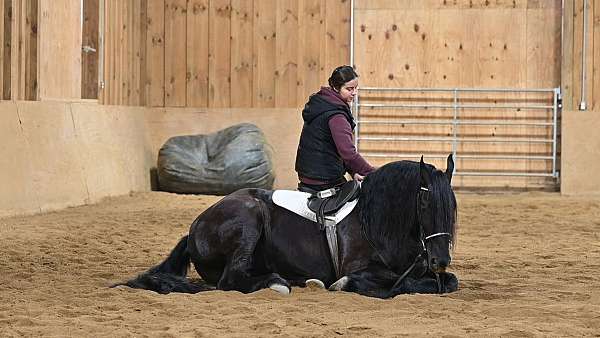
[329,201]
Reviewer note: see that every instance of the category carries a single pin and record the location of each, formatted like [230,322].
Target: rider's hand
[358,177]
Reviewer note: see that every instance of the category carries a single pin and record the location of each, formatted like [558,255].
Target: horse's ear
[449,167]
[424,174]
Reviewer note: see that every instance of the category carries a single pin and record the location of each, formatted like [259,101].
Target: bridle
[424,254]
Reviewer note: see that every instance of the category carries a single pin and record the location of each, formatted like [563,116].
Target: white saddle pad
[296,202]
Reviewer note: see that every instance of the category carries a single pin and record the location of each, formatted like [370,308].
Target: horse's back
[243,207]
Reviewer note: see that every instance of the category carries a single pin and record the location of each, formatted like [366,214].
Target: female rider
[326,149]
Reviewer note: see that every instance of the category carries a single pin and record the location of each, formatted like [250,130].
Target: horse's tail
[170,275]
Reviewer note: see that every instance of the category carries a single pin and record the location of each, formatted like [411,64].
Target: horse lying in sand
[398,239]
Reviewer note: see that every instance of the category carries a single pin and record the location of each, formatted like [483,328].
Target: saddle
[326,207]
[329,201]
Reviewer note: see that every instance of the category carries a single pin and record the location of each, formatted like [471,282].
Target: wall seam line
[83,168]
[28,147]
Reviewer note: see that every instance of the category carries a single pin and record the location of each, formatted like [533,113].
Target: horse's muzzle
[439,264]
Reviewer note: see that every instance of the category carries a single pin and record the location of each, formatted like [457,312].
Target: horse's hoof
[284,290]
[314,284]
[339,284]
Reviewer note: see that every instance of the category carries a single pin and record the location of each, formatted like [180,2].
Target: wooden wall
[572,62]
[221,53]
[267,53]
[462,44]
[41,49]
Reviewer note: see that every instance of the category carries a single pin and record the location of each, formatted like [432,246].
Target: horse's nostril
[439,263]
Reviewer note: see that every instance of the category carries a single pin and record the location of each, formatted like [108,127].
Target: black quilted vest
[317,157]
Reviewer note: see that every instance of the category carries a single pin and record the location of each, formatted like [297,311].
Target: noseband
[424,240]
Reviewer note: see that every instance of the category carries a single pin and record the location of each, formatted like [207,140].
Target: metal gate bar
[455,122]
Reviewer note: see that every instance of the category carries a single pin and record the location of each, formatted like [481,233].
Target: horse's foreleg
[370,282]
[447,283]
[242,281]
[240,275]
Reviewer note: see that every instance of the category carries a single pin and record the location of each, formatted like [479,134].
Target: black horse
[397,240]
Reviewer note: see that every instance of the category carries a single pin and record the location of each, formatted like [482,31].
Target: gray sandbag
[218,164]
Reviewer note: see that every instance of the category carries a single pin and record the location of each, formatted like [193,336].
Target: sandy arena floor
[527,266]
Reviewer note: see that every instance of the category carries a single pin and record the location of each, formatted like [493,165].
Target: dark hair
[341,75]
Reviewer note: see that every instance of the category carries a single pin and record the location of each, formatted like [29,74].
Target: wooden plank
[30,35]
[129,55]
[219,57]
[596,57]
[337,25]
[543,47]
[264,53]
[101,84]
[23,39]
[286,56]
[136,38]
[155,54]
[311,67]
[143,22]
[6,50]
[127,69]
[121,49]
[123,52]
[115,72]
[15,57]
[89,60]
[241,53]
[60,48]
[2,58]
[118,54]
[567,56]
[104,91]
[589,55]
[175,53]
[110,59]
[197,53]
[577,51]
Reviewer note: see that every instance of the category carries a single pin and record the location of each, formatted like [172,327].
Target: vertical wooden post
[219,57]
[263,82]
[567,57]
[197,53]
[241,53]
[89,53]
[155,54]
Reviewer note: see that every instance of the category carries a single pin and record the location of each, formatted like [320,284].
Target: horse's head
[406,208]
[436,214]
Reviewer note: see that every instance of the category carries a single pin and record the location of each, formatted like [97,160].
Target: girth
[327,202]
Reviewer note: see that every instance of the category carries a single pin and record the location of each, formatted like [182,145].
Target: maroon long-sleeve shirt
[344,142]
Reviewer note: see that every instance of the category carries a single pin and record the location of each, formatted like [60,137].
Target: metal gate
[494,134]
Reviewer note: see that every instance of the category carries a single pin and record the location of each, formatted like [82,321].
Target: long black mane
[387,207]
